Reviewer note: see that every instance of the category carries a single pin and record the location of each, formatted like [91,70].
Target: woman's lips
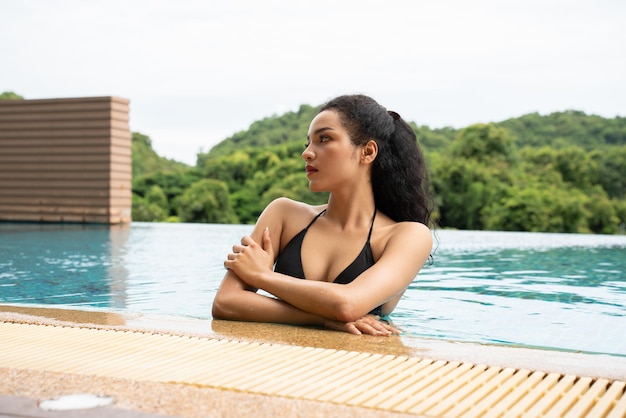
[310,170]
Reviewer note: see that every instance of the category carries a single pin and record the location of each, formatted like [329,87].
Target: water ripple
[561,291]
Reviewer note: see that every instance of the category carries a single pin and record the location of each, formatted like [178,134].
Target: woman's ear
[369,151]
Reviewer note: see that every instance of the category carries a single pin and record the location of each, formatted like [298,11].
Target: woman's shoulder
[402,227]
[287,206]
[413,227]
[290,213]
[405,234]
[288,217]
[408,230]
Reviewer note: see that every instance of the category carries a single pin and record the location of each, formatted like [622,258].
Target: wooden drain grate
[393,383]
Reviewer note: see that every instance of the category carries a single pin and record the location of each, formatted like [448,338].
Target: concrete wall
[65,160]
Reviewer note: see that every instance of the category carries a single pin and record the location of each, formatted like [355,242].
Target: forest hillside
[561,172]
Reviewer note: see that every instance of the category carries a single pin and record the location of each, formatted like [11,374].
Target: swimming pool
[555,291]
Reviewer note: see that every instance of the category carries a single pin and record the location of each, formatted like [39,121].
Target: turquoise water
[555,291]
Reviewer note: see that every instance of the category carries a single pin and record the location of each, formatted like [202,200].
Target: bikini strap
[371,226]
[315,219]
[324,211]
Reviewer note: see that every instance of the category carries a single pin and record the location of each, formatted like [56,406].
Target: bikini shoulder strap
[371,226]
[315,219]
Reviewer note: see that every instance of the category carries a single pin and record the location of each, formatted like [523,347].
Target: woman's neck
[351,210]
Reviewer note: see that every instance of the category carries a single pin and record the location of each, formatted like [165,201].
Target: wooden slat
[54,210]
[8,107]
[384,382]
[57,184]
[66,141]
[70,124]
[64,175]
[59,149]
[50,167]
[53,193]
[602,405]
[7,134]
[96,219]
[64,116]
[80,201]
[54,158]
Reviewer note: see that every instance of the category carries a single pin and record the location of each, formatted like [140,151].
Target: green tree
[620,212]
[233,169]
[471,173]
[146,211]
[157,196]
[611,163]
[603,216]
[576,167]
[463,188]
[146,162]
[483,142]
[9,95]
[172,184]
[537,208]
[208,201]
[568,128]
[270,131]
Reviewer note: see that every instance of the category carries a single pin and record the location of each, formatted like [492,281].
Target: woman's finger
[379,326]
[371,327]
[246,240]
[352,329]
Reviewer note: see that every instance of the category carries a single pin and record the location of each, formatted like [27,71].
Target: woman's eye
[306,145]
[324,138]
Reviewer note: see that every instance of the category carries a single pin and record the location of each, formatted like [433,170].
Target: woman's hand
[369,324]
[248,259]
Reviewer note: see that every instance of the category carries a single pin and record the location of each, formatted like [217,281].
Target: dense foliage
[562,172]
[9,95]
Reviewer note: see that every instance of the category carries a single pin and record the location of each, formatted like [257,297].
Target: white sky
[197,71]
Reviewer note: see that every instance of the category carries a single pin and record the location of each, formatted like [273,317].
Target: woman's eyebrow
[320,130]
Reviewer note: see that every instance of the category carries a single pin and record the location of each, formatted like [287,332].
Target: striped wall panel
[65,160]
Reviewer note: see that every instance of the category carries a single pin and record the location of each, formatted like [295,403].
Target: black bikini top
[289,261]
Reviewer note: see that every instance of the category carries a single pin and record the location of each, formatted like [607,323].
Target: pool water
[554,291]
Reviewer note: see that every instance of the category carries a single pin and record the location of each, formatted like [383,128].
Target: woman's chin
[315,188]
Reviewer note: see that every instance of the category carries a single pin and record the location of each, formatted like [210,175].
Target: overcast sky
[196,72]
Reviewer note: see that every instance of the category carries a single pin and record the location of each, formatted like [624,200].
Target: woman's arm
[235,300]
[404,254]
[238,301]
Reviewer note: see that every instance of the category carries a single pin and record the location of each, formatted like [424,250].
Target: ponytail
[399,175]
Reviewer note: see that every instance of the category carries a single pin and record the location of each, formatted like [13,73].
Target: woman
[378,210]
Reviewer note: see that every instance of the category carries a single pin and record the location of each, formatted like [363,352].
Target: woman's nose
[307,154]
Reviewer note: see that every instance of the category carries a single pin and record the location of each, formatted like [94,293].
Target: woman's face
[331,157]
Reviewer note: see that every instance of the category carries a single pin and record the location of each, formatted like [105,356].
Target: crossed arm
[306,302]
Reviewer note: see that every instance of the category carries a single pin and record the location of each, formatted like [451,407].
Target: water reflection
[176,268]
[567,297]
[55,264]
[117,272]
[563,291]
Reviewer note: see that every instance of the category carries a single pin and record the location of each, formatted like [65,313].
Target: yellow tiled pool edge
[395,383]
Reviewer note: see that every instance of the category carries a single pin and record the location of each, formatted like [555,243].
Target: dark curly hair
[399,175]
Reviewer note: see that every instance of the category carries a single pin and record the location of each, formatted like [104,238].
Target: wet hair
[399,175]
